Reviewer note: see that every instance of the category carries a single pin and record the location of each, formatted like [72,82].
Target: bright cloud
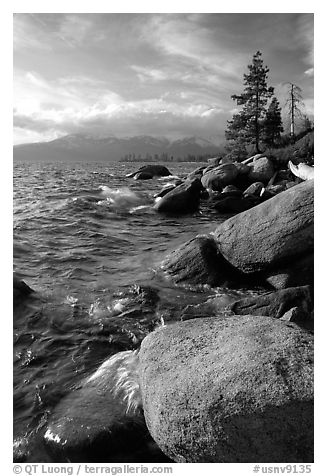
[160,74]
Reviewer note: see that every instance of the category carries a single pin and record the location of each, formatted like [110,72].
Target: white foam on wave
[123,197]
[118,305]
[169,177]
[139,208]
[71,300]
[120,373]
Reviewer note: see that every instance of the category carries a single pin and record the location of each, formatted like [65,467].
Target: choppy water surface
[85,238]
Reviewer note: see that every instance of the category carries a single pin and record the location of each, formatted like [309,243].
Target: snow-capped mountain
[81,147]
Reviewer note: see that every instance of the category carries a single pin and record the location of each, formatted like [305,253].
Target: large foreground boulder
[230,390]
[184,198]
[271,234]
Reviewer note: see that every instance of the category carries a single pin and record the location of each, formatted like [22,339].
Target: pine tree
[254,100]
[273,126]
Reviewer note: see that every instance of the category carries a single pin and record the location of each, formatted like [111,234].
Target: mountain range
[81,147]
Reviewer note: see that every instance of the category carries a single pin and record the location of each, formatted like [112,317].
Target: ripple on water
[83,234]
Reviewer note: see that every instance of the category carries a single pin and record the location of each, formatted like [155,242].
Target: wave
[123,198]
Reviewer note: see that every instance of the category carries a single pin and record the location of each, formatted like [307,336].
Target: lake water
[87,240]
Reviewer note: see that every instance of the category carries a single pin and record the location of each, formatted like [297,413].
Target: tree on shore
[247,125]
[273,126]
[294,103]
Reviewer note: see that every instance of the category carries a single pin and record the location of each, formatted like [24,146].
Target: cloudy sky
[156,74]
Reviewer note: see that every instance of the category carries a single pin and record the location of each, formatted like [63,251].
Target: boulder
[216,306]
[167,188]
[231,390]
[251,159]
[255,189]
[143,176]
[261,170]
[218,177]
[197,173]
[290,184]
[274,304]
[275,189]
[151,169]
[273,179]
[284,174]
[242,169]
[300,272]
[182,199]
[214,161]
[225,160]
[271,234]
[296,314]
[231,191]
[197,262]
[102,419]
[234,204]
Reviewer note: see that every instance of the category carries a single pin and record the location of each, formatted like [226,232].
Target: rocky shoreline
[228,382]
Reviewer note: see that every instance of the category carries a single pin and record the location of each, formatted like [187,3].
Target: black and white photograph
[163,241]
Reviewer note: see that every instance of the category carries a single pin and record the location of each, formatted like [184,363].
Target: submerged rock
[275,304]
[20,289]
[272,304]
[102,420]
[233,390]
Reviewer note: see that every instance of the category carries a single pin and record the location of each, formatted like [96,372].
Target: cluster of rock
[231,187]
[271,244]
[232,381]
